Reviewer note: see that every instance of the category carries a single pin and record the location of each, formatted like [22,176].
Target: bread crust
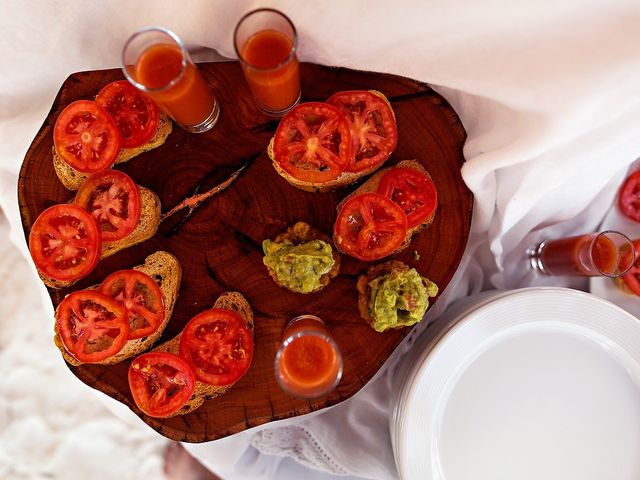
[234,301]
[165,270]
[302,232]
[371,185]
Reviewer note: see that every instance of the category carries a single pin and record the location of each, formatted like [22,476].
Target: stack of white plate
[538,383]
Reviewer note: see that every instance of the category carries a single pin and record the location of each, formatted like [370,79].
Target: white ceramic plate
[543,383]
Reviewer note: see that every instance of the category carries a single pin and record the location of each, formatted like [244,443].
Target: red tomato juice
[274,79]
[190,101]
[580,255]
[310,363]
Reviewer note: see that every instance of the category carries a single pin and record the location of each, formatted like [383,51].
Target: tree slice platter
[219,242]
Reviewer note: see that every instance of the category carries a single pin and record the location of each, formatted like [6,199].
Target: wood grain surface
[219,243]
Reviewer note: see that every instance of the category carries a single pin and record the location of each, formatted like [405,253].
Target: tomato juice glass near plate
[266,41]
[609,253]
[308,363]
[157,62]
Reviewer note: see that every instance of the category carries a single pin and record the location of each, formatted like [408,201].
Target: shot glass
[157,62]
[609,254]
[266,42]
[308,363]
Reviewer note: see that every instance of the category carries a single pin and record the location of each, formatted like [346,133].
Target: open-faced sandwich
[121,317]
[321,146]
[381,216]
[110,212]
[91,136]
[392,295]
[301,259]
[213,351]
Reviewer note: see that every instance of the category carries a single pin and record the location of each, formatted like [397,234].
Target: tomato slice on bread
[65,242]
[218,345]
[113,199]
[135,114]
[374,134]
[312,142]
[86,137]
[91,326]
[369,226]
[629,198]
[141,298]
[161,383]
[413,190]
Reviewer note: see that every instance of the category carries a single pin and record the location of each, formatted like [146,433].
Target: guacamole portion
[399,299]
[298,267]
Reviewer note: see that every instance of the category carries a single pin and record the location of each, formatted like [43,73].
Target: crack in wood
[410,96]
[214,276]
[196,199]
[248,242]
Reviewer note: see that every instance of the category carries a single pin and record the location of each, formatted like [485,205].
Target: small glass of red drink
[157,62]
[609,253]
[266,42]
[308,363]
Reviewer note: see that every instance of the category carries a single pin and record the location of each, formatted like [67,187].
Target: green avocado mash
[399,299]
[298,267]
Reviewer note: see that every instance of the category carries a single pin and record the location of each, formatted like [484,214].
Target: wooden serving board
[219,243]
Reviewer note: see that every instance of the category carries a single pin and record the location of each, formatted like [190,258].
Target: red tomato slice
[413,190]
[374,134]
[632,278]
[92,326]
[312,142]
[629,199]
[65,242]
[141,298]
[86,137]
[113,199]
[135,114]
[369,226]
[218,345]
[161,383]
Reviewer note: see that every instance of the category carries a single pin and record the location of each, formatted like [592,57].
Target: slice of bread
[150,211]
[165,269]
[302,232]
[344,179]
[72,178]
[371,185]
[231,301]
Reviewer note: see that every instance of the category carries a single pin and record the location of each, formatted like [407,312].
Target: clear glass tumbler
[157,62]
[266,42]
[308,363]
[608,253]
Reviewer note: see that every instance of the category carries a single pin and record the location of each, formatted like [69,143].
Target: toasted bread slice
[371,185]
[344,179]
[165,269]
[72,178]
[375,271]
[302,232]
[147,227]
[231,301]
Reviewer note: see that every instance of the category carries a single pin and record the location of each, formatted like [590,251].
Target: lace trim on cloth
[298,443]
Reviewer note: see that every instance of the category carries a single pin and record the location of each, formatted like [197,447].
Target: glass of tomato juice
[157,62]
[609,253]
[308,363]
[266,42]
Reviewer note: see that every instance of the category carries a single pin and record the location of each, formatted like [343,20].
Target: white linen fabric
[548,92]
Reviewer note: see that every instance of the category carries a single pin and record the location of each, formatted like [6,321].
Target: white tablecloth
[548,92]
